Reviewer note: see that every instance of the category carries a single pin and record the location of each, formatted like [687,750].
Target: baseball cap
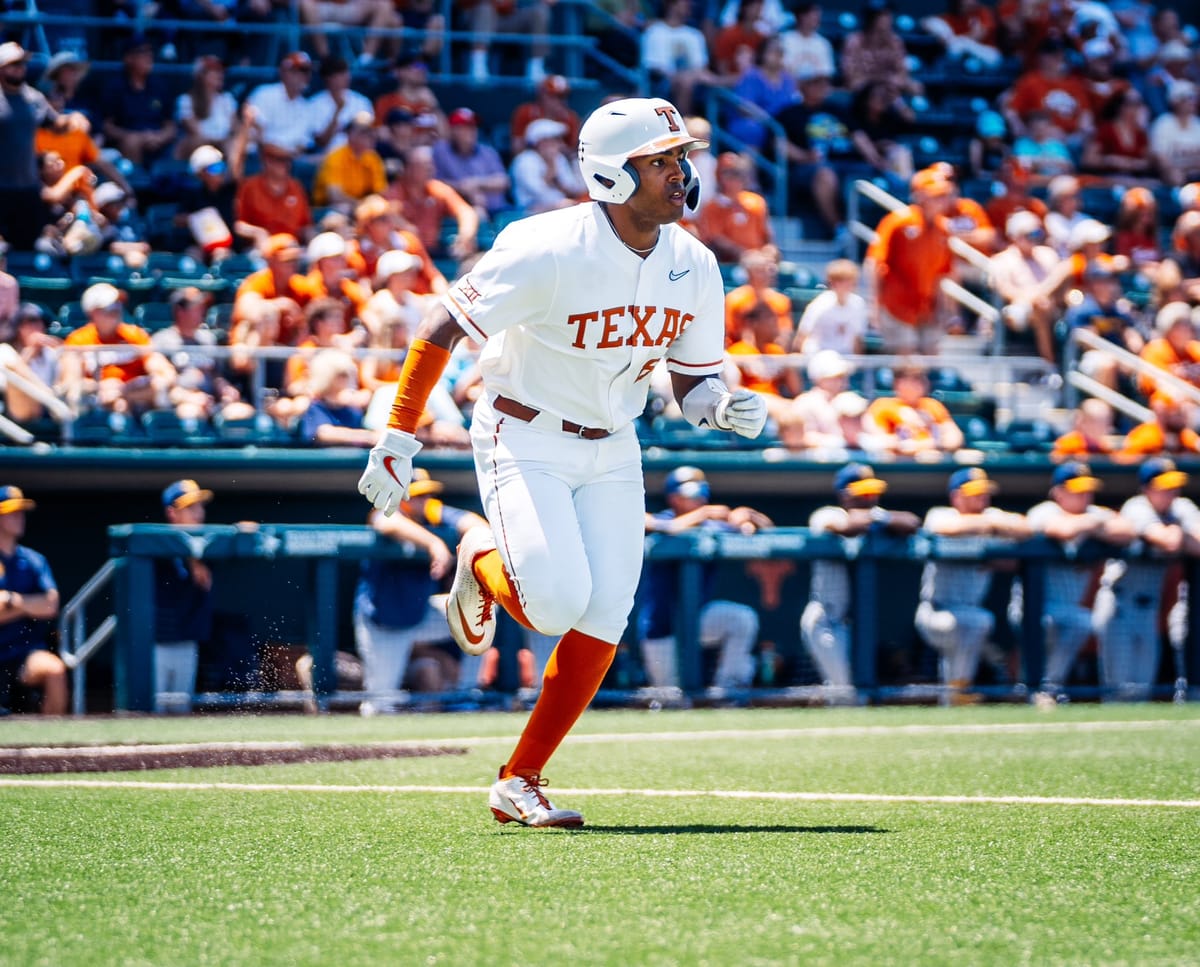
[297,60]
[370,208]
[1087,232]
[463,116]
[1076,477]
[12,499]
[423,485]
[971,482]
[931,182]
[1170,315]
[826,364]
[556,84]
[1098,47]
[687,482]
[1022,224]
[108,193]
[281,246]
[858,480]
[208,159]
[30,312]
[399,115]
[64,58]
[102,295]
[544,128]
[1181,91]
[393,263]
[1062,185]
[326,245]
[12,53]
[1162,474]
[189,295]
[184,493]
[1174,50]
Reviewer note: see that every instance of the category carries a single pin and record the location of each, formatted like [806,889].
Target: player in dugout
[575,307]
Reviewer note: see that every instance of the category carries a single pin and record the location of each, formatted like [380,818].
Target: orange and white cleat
[470,609]
[520,799]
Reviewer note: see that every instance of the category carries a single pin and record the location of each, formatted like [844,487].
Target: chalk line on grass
[741,794]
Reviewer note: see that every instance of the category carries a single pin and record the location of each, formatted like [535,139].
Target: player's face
[13,524]
[1073,502]
[1161,499]
[659,198]
[970,503]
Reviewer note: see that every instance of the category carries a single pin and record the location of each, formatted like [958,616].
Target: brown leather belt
[527,414]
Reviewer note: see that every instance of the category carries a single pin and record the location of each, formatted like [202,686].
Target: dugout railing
[324,548]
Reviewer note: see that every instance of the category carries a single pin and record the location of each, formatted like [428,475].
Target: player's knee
[559,612]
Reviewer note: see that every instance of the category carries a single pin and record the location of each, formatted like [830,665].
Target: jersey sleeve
[699,350]
[510,284]
[825,518]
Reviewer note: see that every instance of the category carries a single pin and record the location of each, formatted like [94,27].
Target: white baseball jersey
[575,322]
[1143,578]
[949,583]
[830,582]
[1065,583]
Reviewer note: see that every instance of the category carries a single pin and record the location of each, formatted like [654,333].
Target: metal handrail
[722,138]
[1178,387]
[75,648]
[1118,401]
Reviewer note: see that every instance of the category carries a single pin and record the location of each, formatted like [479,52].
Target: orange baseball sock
[490,570]
[573,676]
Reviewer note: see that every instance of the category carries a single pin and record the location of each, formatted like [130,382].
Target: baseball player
[183,600]
[395,605]
[575,307]
[725,625]
[825,623]
[1070,516]
[950,616]
[1126,612]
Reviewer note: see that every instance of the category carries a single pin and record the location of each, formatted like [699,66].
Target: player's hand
[743,411]
[389,470]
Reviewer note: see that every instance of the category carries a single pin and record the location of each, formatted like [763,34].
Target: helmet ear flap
[630,170]
[691,186]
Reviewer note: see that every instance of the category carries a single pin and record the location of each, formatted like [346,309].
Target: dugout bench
[134,548]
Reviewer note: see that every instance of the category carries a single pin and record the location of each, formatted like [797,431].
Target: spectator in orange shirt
[905,264]
[1136,235]
[330,277]
[1091,435]
[326,330]
[773,379]
[911,422]
[266,312]
[1050,88]
[272,202]
[735,219]
[876,53]
[736,45]
[378,230]
[1014,196]
[550,102]
[122,379]
[762,271]
[1167,433]
[426,202]
[1177,350]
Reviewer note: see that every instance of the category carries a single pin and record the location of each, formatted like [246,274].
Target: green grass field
[869,836]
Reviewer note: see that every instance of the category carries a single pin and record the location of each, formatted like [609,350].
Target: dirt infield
[31,760]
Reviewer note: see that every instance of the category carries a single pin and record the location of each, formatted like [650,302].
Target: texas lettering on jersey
[601,328]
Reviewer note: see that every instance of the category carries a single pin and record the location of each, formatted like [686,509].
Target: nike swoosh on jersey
[466,628]
[387,465]
[676,276]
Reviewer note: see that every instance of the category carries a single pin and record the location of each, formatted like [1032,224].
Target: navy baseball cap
[12,499]
[1162,474]
[1076,477]
[687,482]
[971,482]
[184,493]
[858,480]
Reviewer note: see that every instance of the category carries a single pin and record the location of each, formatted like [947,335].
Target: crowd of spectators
[1084,215]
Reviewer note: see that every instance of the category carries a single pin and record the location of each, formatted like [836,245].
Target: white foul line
[863,797]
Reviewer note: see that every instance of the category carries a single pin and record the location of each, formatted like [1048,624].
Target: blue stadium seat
[166,428]
[153,316]
[101,428]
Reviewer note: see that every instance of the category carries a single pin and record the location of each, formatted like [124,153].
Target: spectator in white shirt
[337,105]
[543,177]
[676,55]
[837,318]
[1175,136]
[207,113]
[280,112]
[813,420]
[1019,274]
[805,52]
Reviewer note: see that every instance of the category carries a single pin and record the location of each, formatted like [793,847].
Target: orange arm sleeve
[423,365]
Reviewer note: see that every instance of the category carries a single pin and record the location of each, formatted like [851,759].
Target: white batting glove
[743,411]
[389,470]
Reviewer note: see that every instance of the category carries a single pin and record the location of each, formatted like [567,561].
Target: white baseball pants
[727,625]
[174,675]
[958,635]
[828,642]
